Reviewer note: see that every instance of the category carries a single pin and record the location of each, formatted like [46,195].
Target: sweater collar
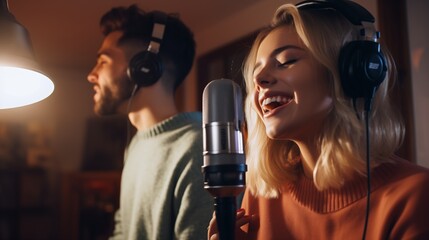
[305,192]
[171,123]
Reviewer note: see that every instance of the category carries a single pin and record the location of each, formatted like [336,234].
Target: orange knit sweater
[399,208]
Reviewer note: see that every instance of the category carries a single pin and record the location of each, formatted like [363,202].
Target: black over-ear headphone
[145,68]
[362,65]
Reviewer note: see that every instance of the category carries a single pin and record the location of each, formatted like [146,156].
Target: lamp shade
[21,80]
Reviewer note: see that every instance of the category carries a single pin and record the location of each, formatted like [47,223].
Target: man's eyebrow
[103,53]
[100,54]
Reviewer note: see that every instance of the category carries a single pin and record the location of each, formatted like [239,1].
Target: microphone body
[224,160]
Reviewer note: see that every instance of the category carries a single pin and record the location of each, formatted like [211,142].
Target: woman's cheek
[256,105]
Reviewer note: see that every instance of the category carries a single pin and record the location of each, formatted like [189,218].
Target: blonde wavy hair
[273,163]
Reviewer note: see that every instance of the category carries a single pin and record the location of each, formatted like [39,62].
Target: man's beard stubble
[112,98]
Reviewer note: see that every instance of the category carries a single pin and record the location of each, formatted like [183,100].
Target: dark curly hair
[178,45]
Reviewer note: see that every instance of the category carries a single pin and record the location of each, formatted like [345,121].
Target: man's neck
[145,118]
[148,108]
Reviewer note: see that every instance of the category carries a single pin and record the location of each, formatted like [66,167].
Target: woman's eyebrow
[277,51]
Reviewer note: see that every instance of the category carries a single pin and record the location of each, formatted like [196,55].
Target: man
[142,60]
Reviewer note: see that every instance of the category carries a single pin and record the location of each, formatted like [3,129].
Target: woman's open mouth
[269,104]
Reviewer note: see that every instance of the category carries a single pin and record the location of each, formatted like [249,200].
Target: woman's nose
[264,78]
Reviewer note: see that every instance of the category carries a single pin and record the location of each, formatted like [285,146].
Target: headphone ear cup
[145,68]
[362,68]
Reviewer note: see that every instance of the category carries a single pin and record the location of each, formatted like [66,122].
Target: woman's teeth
[274,102]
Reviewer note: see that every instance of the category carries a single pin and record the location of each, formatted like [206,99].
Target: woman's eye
[288,62]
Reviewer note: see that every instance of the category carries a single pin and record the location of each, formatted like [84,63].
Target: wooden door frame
[393,24]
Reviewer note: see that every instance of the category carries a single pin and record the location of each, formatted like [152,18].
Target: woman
[307,146]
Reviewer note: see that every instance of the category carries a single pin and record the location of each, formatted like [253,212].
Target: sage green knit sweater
[162,194]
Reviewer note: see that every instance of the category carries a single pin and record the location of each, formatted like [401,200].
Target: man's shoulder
[192,125]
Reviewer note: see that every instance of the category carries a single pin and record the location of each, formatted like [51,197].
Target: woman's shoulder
[402,174]
[403,199]
[410,169]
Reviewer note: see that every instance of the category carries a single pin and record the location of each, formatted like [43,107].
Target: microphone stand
[225,210]
[225,183]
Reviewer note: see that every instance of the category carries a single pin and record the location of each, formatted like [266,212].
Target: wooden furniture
[26,210]
[88,203]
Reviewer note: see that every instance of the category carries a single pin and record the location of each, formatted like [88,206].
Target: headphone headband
[159,22]
[354,12]
[146,67]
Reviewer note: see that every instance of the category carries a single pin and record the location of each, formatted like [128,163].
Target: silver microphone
[224,160]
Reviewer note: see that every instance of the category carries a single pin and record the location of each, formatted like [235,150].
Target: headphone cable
[368,177]
[133,92]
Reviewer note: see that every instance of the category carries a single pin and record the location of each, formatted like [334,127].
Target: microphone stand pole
[225,210]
